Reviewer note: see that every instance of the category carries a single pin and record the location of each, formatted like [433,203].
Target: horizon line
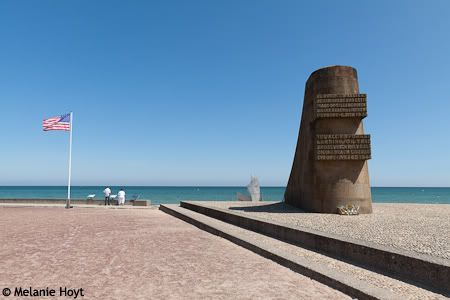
[269,186]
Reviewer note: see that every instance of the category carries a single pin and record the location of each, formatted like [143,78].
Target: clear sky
[210,92]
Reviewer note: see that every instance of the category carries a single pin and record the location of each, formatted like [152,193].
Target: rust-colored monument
[330,164]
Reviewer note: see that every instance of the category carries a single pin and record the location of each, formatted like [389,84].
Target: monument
[330,164]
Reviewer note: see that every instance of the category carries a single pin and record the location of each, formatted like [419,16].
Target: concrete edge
[432,273]
[353,287]
[63,206]
[97,202]
[428,258]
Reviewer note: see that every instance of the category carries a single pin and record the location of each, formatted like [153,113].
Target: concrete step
[353,280]
[419,269]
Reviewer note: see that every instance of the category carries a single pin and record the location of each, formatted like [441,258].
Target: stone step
[425,270]
[353,280]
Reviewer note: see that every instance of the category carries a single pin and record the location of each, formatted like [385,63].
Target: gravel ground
[137,254]
[422,228]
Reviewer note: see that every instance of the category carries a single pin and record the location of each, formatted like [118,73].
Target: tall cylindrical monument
[330,164]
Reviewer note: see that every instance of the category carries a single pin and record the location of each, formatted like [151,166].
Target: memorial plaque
[342,147]
[340,106]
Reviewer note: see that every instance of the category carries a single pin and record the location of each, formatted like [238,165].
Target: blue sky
[209,92]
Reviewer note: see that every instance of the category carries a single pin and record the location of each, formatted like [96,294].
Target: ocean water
[168,194]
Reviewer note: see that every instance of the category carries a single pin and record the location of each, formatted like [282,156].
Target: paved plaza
[136,254]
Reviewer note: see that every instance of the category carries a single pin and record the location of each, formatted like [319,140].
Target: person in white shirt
[121,197]
[107,192]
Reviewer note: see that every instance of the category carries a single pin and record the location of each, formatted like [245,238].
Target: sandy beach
[137,254]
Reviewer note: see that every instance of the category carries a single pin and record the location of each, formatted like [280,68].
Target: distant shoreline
[205,186]
[173,195]
[99,201]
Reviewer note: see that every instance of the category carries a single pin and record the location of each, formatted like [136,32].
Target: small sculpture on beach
[330,164]
[253,189]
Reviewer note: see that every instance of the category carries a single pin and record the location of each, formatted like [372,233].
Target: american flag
[57,123]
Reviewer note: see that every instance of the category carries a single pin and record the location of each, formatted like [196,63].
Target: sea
[175,194]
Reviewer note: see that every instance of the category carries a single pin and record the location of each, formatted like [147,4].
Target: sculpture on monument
[330,163]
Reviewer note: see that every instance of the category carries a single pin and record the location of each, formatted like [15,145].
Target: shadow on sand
[279,207]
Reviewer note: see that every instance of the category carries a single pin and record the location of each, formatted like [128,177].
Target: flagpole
[70,160]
